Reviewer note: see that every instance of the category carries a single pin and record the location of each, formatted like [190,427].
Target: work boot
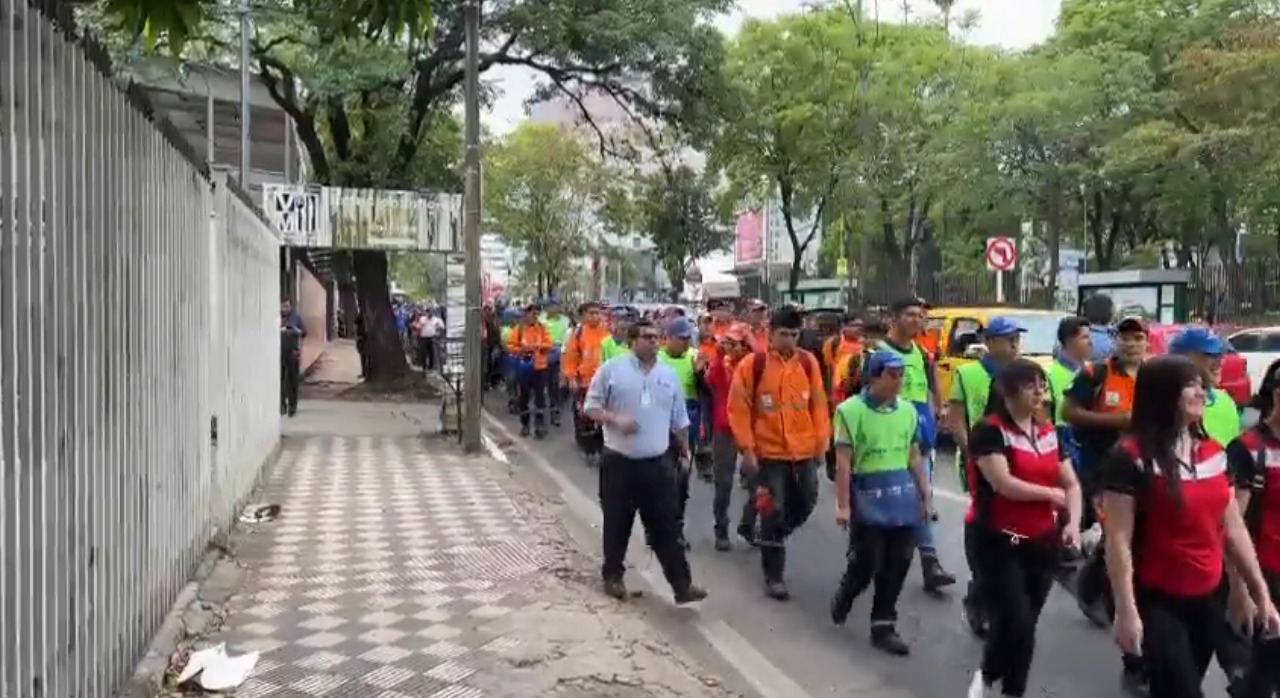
[886,639]
[935,576]
[690,594]
[616,588]
[773,560]
[524,430]
[722,539]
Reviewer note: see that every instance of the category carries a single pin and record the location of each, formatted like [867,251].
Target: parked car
[1235,372]
[1259,346]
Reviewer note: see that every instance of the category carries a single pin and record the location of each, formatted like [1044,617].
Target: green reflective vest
[1060,378]
[915,376]
[683,365]
[1221,418]
[558,328]
[611,348]
[881,437]
[973,388]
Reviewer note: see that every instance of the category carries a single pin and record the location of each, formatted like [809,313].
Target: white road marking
[766,678]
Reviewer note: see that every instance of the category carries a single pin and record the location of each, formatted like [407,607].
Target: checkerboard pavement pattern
[390,557]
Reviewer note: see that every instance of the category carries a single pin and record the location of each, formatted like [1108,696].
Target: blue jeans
[928,442]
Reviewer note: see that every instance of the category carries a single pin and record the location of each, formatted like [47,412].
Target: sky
[1013,24]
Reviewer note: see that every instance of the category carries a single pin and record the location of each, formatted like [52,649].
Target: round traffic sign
[1002,253]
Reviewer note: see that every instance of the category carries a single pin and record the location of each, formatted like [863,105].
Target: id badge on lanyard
[646,399]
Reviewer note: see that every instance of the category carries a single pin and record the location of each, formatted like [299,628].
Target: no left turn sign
[1002,253]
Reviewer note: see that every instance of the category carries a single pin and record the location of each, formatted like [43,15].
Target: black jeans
[533,390]
[427,353]
[1016,579]
[724,464]
[1178,638]
[794,486]
[881,554]
[290,379]
[644,486]
[976,594]
[1262,680]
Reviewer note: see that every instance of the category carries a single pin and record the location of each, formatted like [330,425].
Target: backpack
[759,362]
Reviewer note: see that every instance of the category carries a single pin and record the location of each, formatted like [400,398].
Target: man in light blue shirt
[1098,310]
[640,406]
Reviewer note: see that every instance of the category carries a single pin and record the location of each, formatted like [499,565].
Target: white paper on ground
[199,660]
[217,670]
[228,672]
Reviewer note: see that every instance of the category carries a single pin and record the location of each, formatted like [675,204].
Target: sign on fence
[455,303]
[370,219]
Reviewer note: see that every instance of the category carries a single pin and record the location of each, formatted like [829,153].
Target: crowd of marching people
[1130,479]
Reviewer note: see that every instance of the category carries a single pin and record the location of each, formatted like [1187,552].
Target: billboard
[345,218]
[748,239]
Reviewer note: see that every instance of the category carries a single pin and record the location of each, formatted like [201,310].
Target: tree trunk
[347,303]
[382,344]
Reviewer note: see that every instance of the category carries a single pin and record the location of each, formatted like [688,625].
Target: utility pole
[246,96]
[472,389]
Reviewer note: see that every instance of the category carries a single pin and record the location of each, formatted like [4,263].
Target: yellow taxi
[954,335]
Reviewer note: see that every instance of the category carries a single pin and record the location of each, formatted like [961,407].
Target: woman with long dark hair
[1026,506]
[1254,460]
[1170,521]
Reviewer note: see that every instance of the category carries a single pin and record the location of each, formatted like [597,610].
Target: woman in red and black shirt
[1024,484]
[1254,461]
[1171,520]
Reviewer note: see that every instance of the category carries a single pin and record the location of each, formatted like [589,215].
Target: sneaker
[748,533]
[722,543]
[524,431]
[777,591]
[978,687]
[692,594]
[886,639]
[841,605]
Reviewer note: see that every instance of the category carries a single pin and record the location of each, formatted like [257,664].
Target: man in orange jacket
[583,355]
[531,344]
[781,422]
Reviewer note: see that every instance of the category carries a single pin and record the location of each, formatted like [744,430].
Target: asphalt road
[1073,658]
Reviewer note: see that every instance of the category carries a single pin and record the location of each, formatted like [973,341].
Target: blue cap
[1003,327]
[883,360]
[1197,340]
[680,328]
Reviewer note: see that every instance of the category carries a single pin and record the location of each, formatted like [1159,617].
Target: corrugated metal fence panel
[136,304]
[248,256]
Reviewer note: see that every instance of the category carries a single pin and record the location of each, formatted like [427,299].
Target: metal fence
[137,297]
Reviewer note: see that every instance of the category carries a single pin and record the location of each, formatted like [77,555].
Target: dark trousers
[976,598]
[644,486]
[1178,638]
[586,432]
[1262,680]
[880,554]
[1016,580]
[557,394]
[724,463]
[427,353]
[794,488]
[533,398]
[290,378]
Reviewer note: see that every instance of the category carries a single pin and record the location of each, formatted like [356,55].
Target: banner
[748,239]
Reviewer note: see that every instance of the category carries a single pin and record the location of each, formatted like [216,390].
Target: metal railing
[138,370]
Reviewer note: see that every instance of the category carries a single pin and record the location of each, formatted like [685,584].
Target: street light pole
[246,103]
[471,440]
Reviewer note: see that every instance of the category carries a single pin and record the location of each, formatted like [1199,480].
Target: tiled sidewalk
[400,569]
